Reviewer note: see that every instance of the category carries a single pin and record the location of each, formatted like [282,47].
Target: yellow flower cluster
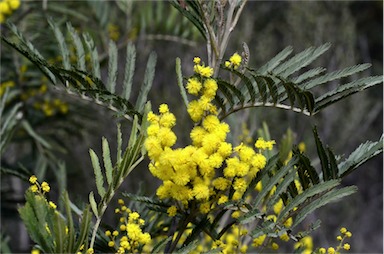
[234,61]
[52,107]
[305,244]
[37,96]
[36,187]
[345,246]
[130,235]
[113,32]
[210,167]
[5,85]
[7,7]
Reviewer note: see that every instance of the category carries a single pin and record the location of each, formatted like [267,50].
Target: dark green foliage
[79,80]
[279,84]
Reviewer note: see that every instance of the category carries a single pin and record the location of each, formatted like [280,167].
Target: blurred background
[71,126]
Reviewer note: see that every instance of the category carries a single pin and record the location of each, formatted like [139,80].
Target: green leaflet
[324,161]
[62,45]
[281,187]
[160,245]
[112,67]
[302,197]
[335,75]
[148,79]
[9,122]
[275,61]
[98,174]
[93,204]
[129,70]
[28,128]
[308,75]
[107,161]
[80,52]
[273,181]
[94,55]
[180,82]
[147,200]
[359,156]
[71,229]
[26,48]
[346,90]
[187,249]
[301,60]
[323,200]
[119,143]
[229,89]
[84,228]
[192,13]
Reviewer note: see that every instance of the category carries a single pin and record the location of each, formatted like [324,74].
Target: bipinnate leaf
[98,174]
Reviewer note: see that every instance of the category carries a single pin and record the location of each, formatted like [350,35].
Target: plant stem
[97,224]
[181,230]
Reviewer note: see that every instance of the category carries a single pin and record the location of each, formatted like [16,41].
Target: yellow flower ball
[45,187]
[172,211]
[346,246]
[5,8]
[331,250]
[33,179]
[14,4]
[52,205]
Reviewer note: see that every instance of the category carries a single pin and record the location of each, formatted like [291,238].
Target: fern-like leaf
[148,80]
[359,156]
[302,197]
[325,199]
[112,67]
[98,174]
[62,44]
[180,82]
[129,70]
